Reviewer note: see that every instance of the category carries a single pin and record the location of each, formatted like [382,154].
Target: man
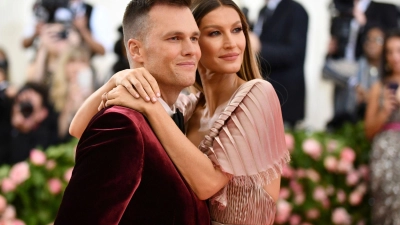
[122,173]
[282,28]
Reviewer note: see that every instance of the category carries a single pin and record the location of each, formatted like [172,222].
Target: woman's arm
[203,178]
[136,81]
[376,115]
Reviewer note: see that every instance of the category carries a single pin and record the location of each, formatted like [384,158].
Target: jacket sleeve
[108,170]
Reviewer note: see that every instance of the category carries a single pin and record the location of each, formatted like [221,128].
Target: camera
[26,109]
[48,11]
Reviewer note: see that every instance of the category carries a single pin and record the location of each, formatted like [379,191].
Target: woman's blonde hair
[59,81]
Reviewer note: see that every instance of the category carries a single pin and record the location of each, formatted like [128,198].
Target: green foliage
[37,197]
[327,178]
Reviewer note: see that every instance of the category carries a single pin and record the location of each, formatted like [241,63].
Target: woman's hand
[139,83]
[120,96]
[390,102]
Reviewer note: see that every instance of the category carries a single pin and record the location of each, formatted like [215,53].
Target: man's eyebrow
[180,33]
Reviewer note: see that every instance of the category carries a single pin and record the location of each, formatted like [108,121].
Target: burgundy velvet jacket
[123,175]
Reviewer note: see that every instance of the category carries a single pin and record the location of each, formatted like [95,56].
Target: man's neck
[169,95]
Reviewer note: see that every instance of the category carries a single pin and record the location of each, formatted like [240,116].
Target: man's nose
[189,47]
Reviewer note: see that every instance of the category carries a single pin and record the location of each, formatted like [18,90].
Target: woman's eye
[238,30]
[214,33]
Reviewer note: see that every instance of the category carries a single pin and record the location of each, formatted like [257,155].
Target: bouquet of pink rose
[326,181]
[32,190]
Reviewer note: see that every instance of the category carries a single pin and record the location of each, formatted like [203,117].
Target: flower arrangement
[31,191]
[325,182]
[327,178]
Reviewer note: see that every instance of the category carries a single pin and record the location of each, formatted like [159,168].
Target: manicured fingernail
[154,99]
[137,96]
[158,95]
[147,98]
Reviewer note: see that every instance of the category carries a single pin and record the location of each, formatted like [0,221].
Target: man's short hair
[135,24]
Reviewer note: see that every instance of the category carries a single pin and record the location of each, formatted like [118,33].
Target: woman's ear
[134,49]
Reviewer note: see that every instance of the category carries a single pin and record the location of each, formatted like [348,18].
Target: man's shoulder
[119,113]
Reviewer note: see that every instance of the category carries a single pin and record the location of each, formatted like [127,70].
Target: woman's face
[373,45]
[222,41]
[393,54]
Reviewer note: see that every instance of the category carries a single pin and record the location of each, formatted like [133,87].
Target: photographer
[352,18]
[34,123]
[6,95]
[84,18]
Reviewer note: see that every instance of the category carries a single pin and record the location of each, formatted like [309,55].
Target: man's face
[170,48]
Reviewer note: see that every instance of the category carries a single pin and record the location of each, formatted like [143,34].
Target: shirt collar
[169,110]
[363,5]
[272,4]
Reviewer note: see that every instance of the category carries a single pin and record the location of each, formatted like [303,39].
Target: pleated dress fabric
[247,142]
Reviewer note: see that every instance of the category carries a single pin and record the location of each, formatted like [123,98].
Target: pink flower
[313,148]
[330,163]
[341,216]
[313,214]
[326,203]
[362,188]
[344,166]
[300,173]
[295,219]
[284,193]
[296,187]
[7,185]
[3,203]
[287,171]
[37,157]
[332,145]
[283,211]
[348,155]
[54,185]
[319,194]
[9,213]
[341,196]
[18,222]
[68,174]
[355,198]
[361,222]
[364,171]
[306,223]
[330,190]
[51,164]
[20,172]
[289,141]
[352,178]
[299,198]
[313,175]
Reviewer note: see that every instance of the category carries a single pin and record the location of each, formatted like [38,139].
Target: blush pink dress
[248,143]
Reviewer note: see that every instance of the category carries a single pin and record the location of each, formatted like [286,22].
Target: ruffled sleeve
[248,140]
[187,104]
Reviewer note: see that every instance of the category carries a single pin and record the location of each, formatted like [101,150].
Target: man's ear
[135,50]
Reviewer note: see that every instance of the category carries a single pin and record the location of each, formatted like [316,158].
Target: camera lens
[26,109]
[63,34]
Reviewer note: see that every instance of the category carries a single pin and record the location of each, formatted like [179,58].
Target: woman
[238,126]
[382,126]
[71,84]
